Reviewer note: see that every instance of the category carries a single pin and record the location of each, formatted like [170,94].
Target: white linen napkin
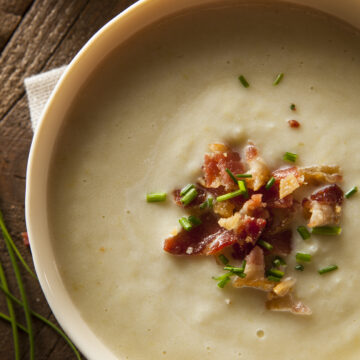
[38,89]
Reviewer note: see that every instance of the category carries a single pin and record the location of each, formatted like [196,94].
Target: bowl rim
[134,18]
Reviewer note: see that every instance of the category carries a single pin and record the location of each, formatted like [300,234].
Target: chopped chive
[299,267]
[273,278]
[185,223]
[278,79]
[233,178]
[304,232]
[189,196]
[278,261]
[303,257]
[229,195]
[243,81]
[155,197]
[276,273]
[194,220]
[223,259]
[186,188]
[293,107]
[351,192]
[208,203]
[265,245]
[242,275]
[291,157]
[223,279]
[326,230]
[243,188]
[327,269]
[243,265]
[244,176]
[234,270]
[270,183]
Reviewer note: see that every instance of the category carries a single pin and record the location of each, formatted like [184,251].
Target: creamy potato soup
[143,123]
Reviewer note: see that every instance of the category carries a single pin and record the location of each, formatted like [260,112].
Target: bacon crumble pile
[236,226]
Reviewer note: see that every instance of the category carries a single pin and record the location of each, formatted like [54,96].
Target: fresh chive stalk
[299,267]
[155,197]
[12,317]
[223,259]
[44,320]
[278,78]
[9,320]
[242,176]
[290,157]
[302,257]
[327,269]
[265,245]
[189,196]
[326,230]
[270,183]
[243,189]
[8,243]
[351,192]
[186,188]
[243,81]
[304,232]
[229,196]
[273,278]
[233,178]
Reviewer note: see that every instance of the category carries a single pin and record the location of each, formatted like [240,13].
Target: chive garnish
[186,188]
[223,279]
[270,183]
[303,257]
[265,245]
[243,81]
[299,267]
[243,265]
[243,188]
[326,230]
[277,273]
[194,220]
[278,261]
[235,270]
[185,223]
[229,195]
[278,79]
[155,197]
[327,269]
[351,192]
[291,157]
[231,175]
[189,196]
[240,176]
[207,203]
[293,107]
[304,232]
[273,278]
[223,259]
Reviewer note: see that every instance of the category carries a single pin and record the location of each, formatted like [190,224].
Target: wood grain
[34,36]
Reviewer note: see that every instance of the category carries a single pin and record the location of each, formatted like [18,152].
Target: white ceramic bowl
[99,46]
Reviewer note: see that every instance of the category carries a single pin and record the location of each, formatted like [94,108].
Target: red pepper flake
[25,238]
[294,123]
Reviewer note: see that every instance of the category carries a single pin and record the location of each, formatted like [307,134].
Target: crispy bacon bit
[324,206]
[196,202]
[215,166]
[206,239]
[288,303]
[257,168]
[272,199]
[25,238]
[224,208]
[288,185]
[255,264]
[323,174]
[283,173]
[294,124]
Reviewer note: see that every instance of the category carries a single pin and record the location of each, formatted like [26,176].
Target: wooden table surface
[35,36]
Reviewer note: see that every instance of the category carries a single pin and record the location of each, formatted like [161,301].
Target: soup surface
[143,122]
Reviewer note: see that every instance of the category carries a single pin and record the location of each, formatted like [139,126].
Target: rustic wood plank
[67,27]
